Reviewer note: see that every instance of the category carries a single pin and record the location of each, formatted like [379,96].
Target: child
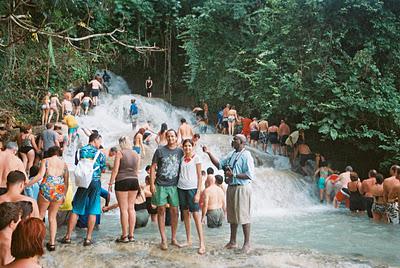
[33,191]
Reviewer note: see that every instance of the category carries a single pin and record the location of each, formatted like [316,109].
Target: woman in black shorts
[125,176]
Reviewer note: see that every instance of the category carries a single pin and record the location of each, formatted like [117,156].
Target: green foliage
[330,66]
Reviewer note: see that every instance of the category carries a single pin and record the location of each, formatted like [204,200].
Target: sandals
[50,247]
[122,239]
[131,238]
[87,242]
[65,240]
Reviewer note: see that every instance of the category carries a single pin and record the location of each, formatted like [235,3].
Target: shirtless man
[66,106]
[15,185]
[76,101]
[254,132]
[225,112]
[9,162]
[305,154]
[263,135]
[390,195]
[283,133]
[185,131]
[213,204]
[366,190]
[10,217]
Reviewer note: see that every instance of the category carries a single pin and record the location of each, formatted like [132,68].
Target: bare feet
[202,250]
[246,249]
[164,245]
[186,244]
[175,243]
[230,245]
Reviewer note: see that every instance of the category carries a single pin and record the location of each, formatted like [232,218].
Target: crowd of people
[35,182]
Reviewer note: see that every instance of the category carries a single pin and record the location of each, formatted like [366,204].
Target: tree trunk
[169,63]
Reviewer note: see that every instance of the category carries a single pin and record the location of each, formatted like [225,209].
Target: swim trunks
[263,137]
[392,210]
[165,195]
[273,137]
[52,188]
[368,205]
[378,208]
[254,135]
[186,200]
[127,185]
[72,130]
[283,140]
[215,217]
[85,104]
[76,102]
[95,92]
[321,183]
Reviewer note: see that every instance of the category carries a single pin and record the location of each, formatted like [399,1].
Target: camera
[226,168]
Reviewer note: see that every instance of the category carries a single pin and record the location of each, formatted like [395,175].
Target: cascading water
[289,229]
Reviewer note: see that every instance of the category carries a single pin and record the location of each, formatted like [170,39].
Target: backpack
[84,171]
[134,109]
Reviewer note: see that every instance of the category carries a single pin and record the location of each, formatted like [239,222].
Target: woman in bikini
[45,108]
[54,103]
[53,188]
[138,142]
[27,146]
[378,207]
[161,139]
[232,118]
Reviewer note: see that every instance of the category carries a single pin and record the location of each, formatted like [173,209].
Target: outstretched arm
[213,159]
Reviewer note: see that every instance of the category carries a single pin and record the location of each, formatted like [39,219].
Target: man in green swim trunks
[163,185]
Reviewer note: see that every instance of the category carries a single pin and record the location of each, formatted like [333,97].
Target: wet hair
[10,212]
[125,143]
[379,178]
[203,172]
[49,125]
[54,150]
[95,131]
[323,164]
[57,127]
[113,149]
[172,130]
[26,208]
[219,179]
[372,173]
[33,171]
[133,100]
[196,136]
[210,170]
[187,141]
[12,145]
[348,168]
[15,177]
[183,120]
[164,128]
[94,136]
[27,239]
[141,131]
[24,129]
[147,167]
[353,176]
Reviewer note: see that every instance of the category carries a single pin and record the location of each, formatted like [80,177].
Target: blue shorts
[72,130]
[321,183]
[186,200]
[87,201]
